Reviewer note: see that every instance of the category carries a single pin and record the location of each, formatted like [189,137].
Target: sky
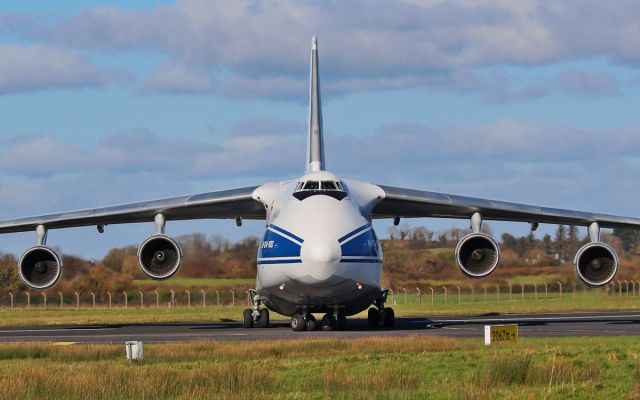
[112,102]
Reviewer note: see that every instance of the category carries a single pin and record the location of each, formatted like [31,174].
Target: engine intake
[477,255]
[40,267]
[159,257]
[596,264]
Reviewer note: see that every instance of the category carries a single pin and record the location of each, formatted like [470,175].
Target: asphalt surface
[530,325]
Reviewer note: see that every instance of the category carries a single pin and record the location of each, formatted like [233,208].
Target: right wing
[223,204]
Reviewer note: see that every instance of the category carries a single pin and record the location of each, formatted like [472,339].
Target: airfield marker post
[445,295]
[546,291]
[459,295]
[172,302]
[638,287]
[233,298]
[405,296]
[535,291]
[44,300]
[141,298]
[126,299]
[157,298]
[11,297]
[560,286]
[248,298]
[418,296]
[218,298]
[93,299]
[204,298]
[633,287]
[393,297]
[626,285]
[432,294]
[77,300]
[61,298]
[619,289]
[28,299]
[188,298]
[522,291]
[109,296]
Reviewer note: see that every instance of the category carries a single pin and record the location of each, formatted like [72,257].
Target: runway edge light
[500,334]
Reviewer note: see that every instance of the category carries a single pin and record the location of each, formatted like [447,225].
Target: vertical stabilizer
[315,144]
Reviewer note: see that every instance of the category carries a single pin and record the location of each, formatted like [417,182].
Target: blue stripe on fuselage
[348,235]
[275,245]
[291,235]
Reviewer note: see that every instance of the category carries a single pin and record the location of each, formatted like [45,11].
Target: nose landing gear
[255,316]
[381,313]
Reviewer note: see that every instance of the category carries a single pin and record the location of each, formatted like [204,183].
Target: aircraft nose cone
[322,258]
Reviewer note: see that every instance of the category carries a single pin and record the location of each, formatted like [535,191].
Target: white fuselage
[319,250]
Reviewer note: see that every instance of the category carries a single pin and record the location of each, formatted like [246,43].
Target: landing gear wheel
[264,318]
[373,318]
[312,324]
[297,322]
[329,322]
[341,323]
[389,317]
[247,318]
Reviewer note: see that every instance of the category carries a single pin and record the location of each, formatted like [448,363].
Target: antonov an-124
[319,252]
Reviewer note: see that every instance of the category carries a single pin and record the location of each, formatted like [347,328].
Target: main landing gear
[380,313]
[255,316]
[330,322]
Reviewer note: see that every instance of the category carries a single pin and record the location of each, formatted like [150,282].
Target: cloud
[257,48]
[586,83]
[24,68]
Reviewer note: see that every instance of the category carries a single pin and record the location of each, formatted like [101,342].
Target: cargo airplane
[319,253]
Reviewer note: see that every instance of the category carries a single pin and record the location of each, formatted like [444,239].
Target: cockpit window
[328,185]
[312,185]
[310,188]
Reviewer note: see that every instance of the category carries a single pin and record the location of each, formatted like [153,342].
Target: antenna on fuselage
[315,141]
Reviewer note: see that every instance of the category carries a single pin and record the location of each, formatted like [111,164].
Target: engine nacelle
[477,255]
[596,264]
[159,257]
[40,267]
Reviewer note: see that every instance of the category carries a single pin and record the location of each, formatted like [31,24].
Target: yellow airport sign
[500,334]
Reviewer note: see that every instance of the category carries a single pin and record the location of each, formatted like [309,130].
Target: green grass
[583,301]
[533,279]
[196,282]
[420,367]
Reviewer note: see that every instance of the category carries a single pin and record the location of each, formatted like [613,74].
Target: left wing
[399,202]
[232,203]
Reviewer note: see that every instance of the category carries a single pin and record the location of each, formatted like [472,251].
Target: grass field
[397,368]
[196,282]
[583,301]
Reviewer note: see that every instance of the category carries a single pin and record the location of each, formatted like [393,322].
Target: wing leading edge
[398,202]
[232,203]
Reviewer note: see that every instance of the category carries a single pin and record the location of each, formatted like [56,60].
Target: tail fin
[315,144]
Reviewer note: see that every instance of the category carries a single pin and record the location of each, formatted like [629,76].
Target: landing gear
[312,324]
[255,315]
[297,322]
[334,322]
[381,313]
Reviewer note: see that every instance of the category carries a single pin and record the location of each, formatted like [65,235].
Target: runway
[530,325]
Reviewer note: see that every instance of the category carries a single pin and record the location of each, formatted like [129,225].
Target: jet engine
[159,257]
[596,264]
[40,267]
[477,255]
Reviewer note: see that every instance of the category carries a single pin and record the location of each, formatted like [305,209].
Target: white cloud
[24,68]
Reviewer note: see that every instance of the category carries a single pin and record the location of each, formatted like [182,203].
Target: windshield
[310,188]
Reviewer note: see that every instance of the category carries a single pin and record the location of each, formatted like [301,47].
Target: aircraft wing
[222,204]
[398,202]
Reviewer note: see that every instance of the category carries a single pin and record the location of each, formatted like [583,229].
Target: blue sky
[107,103]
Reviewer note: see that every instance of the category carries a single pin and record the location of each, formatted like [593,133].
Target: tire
[389,318]
[247,318]
[312,324]
[341,323]
[329,323]
[297,322]
[373,318]
[264,318]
